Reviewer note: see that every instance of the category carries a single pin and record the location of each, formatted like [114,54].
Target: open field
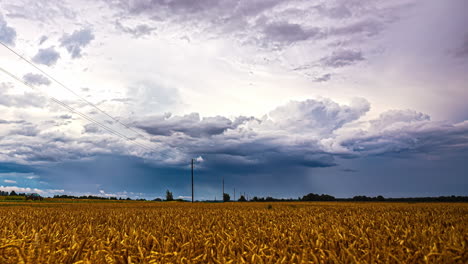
[298,232]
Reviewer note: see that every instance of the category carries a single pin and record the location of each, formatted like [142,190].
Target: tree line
[313,197]
[12,193]
[242,198]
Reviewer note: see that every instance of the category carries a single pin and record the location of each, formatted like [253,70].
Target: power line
[192,180]
[73,110]
[71,91]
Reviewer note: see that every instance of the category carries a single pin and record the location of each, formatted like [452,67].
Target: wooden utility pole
[192,180]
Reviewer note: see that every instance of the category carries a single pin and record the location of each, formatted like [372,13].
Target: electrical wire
[71,91]
[73,110]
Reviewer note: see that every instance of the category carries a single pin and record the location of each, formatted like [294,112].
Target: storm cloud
[137,31]
[191,125]
[342,58]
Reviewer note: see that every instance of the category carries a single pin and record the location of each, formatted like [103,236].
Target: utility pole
[192,180]
[223,189]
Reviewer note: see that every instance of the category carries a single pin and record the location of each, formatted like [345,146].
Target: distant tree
[226,197]
[169,196]
[316,197]
[13,193]
[242,199]
[380,198]
[158,200]
[255,199]
[362,198]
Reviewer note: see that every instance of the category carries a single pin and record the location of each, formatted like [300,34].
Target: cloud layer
[311,133]
[290,139]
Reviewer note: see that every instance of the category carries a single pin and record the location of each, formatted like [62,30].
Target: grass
[12,198]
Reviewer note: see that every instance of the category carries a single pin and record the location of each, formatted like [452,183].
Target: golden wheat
[151,232]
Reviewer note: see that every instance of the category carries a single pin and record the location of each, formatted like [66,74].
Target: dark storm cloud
[7,122]
[191,125]
[137,31]
[462,50]
[28,145]
[174,6]
[285,32]
[296,135]
[289,136]
[36,79]
[367,27]
[43,39]
[304,134]
[225,14]
[111,173]
[264,21]
[75,42]
[317,117]
[26,130]
[337,12]
[400,131]
[47,56]
[283,145]
[7,33]
[66,116]
[225,17]
[8,167]
[324,78]
[342,58]
[91,128]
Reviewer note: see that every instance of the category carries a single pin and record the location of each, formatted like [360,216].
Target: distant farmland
[290,232]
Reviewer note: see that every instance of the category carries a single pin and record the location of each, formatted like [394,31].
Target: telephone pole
[192,180]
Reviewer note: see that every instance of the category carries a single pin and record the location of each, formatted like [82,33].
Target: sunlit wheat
[144,232]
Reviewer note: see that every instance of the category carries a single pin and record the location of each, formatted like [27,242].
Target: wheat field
[170,232]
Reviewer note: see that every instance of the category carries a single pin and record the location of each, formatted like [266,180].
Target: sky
[277,97]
